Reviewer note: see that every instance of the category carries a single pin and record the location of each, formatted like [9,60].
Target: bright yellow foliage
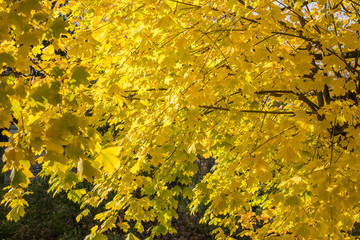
[131,91]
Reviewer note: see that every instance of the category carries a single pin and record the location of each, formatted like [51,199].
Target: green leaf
[16,108]
[159,230]
[187,192]
[6,58]
[124,226]
[58,27]
[82,214]
[58,72]
[87,170]
[298,4]
[41,93]
[109,223]
[69,180]
[28,5]
[131,236]
[99,236]
[293,201]
[20,177]
[15,213]
[79,76]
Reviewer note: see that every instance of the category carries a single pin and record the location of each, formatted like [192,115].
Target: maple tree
[129,92]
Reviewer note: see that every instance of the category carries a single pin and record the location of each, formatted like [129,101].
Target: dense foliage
[55,218]
[46,217]
[126,95]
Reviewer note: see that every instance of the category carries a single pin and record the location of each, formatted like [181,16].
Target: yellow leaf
[124,226]
[87,170]
[109,159]
[192,148]
[48,53]
[4,144]
[137,166]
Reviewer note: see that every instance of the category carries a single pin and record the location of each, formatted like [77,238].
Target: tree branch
[276,93]
[312,105]
[253,111]
[350,54]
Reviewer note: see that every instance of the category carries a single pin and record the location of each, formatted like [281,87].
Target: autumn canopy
[131,93]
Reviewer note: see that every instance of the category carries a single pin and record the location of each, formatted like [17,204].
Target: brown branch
[214,108]
[327,94]
[312,105]
[301,96]
[265,39]
[276,93]
[355,3]
[250,20]
[150,89]
[268,140]
[243,3]
[345,55]
[320,98]
[184,3]
[269,112]
[252,111]
[42,70]
[297,36]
